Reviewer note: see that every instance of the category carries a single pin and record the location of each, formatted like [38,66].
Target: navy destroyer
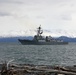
[40,40]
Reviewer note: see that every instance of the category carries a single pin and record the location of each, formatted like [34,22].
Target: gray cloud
[40,17]
[4,14]
[66,17]
[11,1]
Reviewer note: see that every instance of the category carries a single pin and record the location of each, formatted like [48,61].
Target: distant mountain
[52,32]
[68,39]
[13,36]
[9,39]
[15,39]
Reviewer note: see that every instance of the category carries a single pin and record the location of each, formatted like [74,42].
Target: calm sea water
[38,54]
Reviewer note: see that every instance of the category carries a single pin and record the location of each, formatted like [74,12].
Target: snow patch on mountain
[58,33]
[53,33]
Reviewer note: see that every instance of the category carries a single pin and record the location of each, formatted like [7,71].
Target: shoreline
[28,69]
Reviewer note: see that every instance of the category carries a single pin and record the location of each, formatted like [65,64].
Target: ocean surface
[38,54]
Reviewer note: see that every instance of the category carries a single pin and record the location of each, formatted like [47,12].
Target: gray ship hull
[33,42]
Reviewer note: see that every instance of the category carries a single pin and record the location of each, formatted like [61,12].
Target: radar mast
[39,31]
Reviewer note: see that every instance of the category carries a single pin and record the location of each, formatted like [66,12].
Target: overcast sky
[18,15]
